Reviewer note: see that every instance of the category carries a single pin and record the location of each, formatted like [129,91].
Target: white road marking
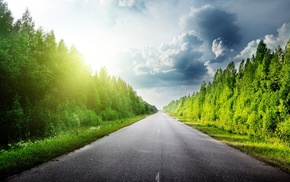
[157,178]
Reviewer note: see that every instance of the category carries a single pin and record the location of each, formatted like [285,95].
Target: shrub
[109,115]
[283,130]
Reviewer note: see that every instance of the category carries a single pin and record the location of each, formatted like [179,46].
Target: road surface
[158,148]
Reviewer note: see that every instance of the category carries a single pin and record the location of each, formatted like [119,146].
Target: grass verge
[271,151]
[30,154]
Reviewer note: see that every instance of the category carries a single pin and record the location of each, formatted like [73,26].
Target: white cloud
[281,39]
[185,46]
[272,42]
[218,47]
[248,51]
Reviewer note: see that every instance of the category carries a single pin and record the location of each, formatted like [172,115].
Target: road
[158,148]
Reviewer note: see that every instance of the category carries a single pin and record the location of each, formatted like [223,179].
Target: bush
[15,122]
[109,115]
[283,130]
[253,123]
[89,118]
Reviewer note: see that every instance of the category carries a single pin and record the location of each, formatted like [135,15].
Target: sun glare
[99,56]
[96,60]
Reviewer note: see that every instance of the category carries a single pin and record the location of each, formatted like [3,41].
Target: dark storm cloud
[211,23]
[175,63]
[182,56]
[219,59]
[258,18]
[172,78]
[211,40]
[191,71]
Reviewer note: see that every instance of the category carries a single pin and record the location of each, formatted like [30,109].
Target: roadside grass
[272,151]
[25,155]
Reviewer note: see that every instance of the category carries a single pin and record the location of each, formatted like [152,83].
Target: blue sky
[163,48]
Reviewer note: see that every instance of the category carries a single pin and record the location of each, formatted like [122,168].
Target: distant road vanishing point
[157,148]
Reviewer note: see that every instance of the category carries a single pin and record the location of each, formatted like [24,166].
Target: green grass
[25,155]
[272,151]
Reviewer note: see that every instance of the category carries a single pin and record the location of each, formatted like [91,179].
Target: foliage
[254,101]
[47,87]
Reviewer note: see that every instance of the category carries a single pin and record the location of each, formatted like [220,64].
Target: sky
[164,49]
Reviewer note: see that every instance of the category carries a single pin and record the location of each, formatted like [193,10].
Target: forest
[252,100]
[46,87]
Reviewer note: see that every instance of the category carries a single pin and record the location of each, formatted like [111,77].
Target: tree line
[46,87]
[253,100]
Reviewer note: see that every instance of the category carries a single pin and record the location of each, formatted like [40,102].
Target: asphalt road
[158,148]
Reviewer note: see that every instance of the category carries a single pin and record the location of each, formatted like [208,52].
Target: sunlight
[96,59]
[101,55]
[101,50]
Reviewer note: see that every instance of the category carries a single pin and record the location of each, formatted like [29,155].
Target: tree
[47,88]
[255,101]
[6,20]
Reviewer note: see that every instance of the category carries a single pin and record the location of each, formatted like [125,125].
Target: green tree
[253,101]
